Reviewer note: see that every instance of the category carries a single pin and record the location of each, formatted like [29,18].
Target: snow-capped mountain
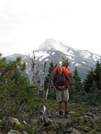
[52,50]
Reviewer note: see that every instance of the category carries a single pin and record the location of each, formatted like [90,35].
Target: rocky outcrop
[11,121]
[16,132]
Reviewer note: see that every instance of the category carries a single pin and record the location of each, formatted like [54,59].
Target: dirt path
[63,120]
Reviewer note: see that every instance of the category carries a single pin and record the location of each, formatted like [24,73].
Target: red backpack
[65,70]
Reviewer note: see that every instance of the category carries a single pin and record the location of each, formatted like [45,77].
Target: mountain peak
[48,44]
[51,44]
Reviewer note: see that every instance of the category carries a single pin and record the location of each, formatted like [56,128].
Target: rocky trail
[82,119]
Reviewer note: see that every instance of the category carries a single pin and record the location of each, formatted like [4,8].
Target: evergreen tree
[97,72]
[77,81]
[75,72]
[92,84]
[93,88]
[65,62]
[93,93]
[48,83]
[12,85]
[72,90]
[89,81]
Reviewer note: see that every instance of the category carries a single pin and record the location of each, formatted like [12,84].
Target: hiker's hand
[61,87]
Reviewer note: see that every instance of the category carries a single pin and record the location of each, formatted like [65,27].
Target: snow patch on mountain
[53,53]
[40,59]
[73,62]
[85,54]
[70,57]
[96,57]
[64,50]
[46,59]
[41,55]
[48,48]
[70,52]
[59,47]
[83,62]
[77,64]
[24,57]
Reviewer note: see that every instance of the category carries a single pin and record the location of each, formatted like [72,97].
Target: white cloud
[24,25]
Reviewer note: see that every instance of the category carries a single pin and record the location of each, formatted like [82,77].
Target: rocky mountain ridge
[52,50]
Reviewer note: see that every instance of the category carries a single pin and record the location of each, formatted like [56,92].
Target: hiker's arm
[68,81]
[54,82]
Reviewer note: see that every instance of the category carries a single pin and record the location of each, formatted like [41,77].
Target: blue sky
[26,24]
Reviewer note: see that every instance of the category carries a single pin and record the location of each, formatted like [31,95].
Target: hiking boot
[60,114]
[66,114]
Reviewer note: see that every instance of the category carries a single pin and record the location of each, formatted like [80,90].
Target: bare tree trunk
[47,93]
[36,71]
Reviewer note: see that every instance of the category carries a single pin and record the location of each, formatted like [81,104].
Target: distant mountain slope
[52,50]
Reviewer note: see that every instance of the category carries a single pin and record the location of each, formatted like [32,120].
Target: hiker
[61,82]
